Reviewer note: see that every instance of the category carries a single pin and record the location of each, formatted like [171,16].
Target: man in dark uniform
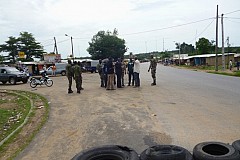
[118,71]
[153,67]
[130,72]
[69,74]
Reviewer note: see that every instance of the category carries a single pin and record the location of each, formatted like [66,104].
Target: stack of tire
[202,151]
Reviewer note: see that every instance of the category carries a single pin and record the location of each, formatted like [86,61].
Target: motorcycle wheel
[33,83]
[49,82]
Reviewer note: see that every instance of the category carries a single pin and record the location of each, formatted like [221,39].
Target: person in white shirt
[136,72]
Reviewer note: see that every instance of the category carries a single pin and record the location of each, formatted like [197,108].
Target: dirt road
[135,117]
[95,117]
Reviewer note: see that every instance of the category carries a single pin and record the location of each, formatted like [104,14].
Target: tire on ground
[236,145]
[113,152]
[215,151]
[166,152]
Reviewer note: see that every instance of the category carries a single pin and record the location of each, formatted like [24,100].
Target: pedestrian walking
[136,72]
[130,66]
[118,71]
[110,74]
[69,74]
[100,72]
[230,65]
[153,68]
[77,75]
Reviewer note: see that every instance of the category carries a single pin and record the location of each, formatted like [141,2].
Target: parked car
[60,69]
[12,75]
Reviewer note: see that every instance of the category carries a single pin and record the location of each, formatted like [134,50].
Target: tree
[29,46]
[185,48]
[107,44]
[11,47]
[203,45]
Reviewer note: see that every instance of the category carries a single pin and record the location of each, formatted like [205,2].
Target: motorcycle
[45,80]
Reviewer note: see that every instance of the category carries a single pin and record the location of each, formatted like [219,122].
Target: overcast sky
[146,25]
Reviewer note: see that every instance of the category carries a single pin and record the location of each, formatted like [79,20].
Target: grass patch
[235,73]
[11,117]
[37,118]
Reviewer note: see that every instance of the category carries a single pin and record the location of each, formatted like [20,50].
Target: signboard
[55,58]
[21,54]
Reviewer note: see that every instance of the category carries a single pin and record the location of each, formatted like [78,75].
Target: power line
[232,12]
[168,27]
[202,31]
[232,17]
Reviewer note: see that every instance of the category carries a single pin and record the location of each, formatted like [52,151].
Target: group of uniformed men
[74,71]
[107,70]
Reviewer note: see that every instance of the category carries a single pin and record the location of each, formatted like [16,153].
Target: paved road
[195,106]
[185,108]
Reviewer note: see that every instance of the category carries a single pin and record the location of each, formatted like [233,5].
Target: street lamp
[72,45]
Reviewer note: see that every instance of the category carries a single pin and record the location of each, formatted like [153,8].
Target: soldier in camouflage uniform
[69,74]
[153,67]
[100,72]
[77,75]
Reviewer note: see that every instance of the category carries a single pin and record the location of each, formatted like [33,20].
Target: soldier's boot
[102,85]
[78,91]
[154,82]
[70,90]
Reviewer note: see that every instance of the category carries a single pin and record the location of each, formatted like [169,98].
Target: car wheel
[215,151]
[63,73]
[166,152]
[12,80]
[236,145]
[110,152]
[25,81]
[4,82]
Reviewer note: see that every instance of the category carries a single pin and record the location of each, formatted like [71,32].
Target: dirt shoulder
[95,117]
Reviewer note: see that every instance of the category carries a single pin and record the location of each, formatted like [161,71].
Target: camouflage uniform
[69,74]
[78,76]
[153,67]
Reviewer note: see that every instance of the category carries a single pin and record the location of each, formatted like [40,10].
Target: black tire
[49,82]
[12,80]
[33,83]
[4,82]
[110,152]
[236,145]
[166,152]
[63,73]
[215,151]
[25,81]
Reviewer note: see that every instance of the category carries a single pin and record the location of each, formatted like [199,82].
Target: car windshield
[12,70]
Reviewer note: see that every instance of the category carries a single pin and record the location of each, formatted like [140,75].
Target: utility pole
[228,51]
[216,47]
[55,46]
[223,56]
